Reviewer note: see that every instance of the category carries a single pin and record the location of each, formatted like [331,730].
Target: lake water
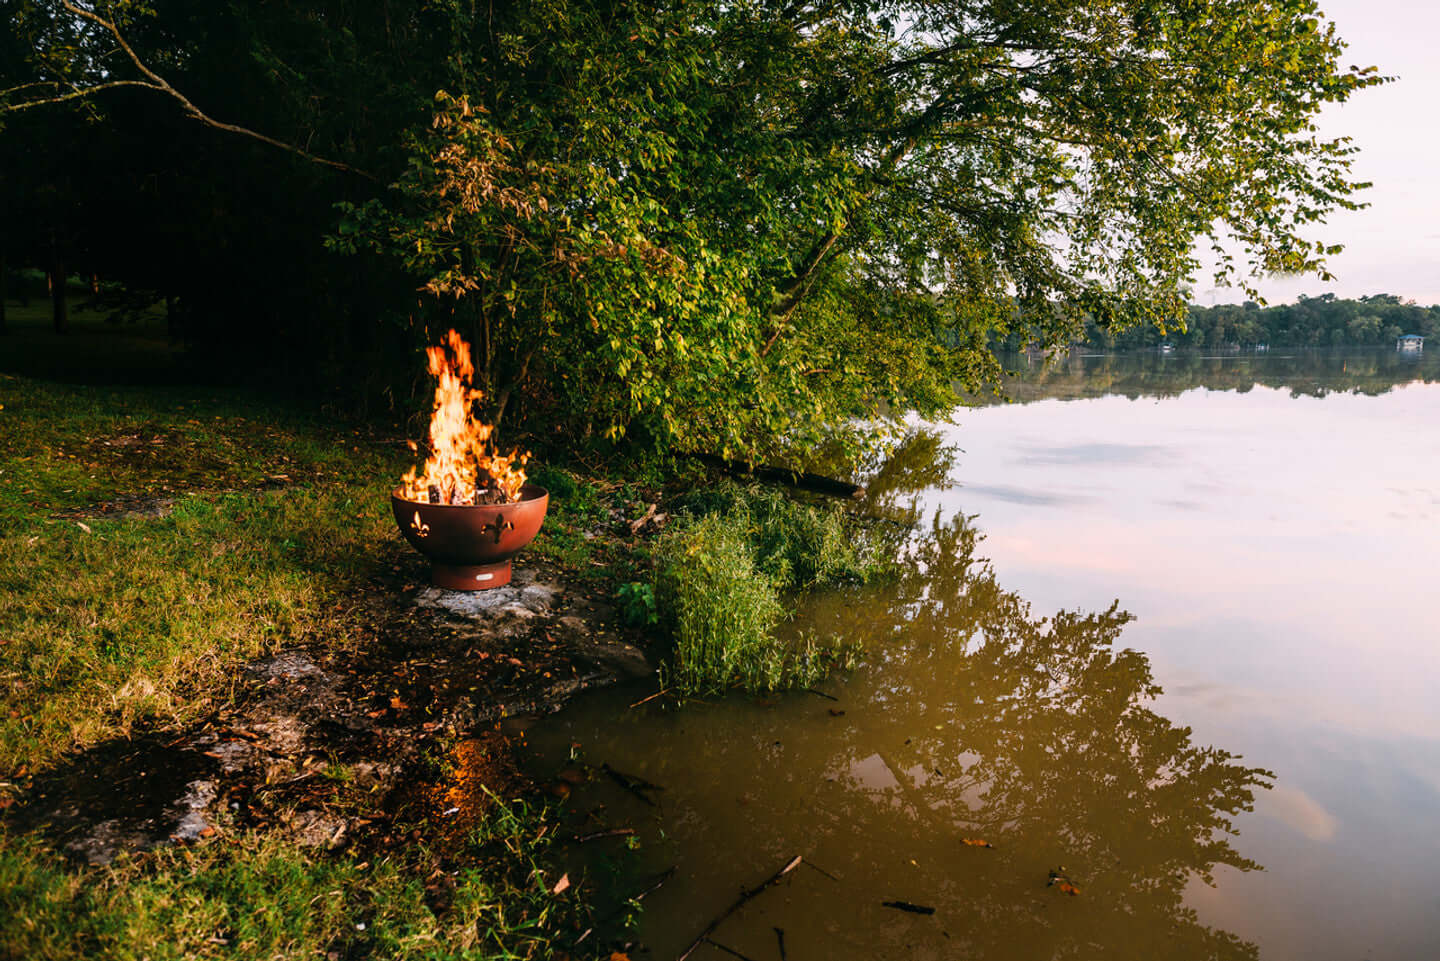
[1170,634]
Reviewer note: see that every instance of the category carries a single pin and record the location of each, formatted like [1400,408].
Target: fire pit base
[470,577]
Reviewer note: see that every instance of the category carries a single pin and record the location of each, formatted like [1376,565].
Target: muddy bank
[330,746]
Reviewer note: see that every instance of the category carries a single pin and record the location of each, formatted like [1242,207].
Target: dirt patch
[157,451]
[476,773]
[140,506]
[335,746]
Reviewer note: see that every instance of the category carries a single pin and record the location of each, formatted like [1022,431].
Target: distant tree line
[1324,321]
[1078,375]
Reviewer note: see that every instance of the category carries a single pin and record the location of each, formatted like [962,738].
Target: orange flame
[463,467]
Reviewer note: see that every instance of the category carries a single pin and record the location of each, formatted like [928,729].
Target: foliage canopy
[713,224]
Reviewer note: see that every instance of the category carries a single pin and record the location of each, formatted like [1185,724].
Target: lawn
[156,536]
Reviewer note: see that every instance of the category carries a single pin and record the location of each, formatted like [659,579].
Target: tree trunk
[57,295]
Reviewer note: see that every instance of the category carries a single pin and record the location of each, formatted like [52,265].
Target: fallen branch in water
[907,906]
[815,867]
[780,939]
[612,833]
[635,785]
[803,480]
[646,700]
[728,950]
[740,902]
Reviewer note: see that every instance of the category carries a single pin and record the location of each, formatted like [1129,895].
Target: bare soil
[338,747]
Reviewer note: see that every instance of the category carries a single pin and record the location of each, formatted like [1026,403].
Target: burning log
[464,466]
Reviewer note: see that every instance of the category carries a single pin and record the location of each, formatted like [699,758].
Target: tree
[719,223]
[724,222]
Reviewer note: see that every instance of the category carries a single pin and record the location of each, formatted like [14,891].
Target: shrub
[637,604]
[799,545]
[721,608]
[559,483]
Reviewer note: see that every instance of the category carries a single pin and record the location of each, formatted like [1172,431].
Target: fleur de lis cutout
[500,526]
[421,528]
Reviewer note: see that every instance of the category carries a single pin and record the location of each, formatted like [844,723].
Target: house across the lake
[1410,342]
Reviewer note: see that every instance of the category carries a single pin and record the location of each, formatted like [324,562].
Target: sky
[1393,246]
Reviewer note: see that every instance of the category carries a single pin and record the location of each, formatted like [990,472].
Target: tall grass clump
[719,607]
[799,545]
[721,572]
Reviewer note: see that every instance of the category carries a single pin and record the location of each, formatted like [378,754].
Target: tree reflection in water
[971,718]
[1033,734]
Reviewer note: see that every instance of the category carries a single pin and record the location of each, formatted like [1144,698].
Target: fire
[463,467]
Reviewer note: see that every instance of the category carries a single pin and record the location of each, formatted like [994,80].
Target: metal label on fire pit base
[460,577]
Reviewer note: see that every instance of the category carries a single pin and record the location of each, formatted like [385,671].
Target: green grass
[719,581]
[105,620]
[260,898]
[269,520]
[799,545]
[94,350]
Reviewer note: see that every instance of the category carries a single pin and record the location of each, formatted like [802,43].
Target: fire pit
[470,545]
[469,510]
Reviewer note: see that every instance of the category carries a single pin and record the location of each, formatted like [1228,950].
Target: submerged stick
[646,700]
[829,697]
[815,867]
[780,939]
[728,950]
[907,906]
[740,902]
[660,879]
[612,833]
[630,780]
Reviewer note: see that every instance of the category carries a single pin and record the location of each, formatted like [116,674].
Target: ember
[463,467]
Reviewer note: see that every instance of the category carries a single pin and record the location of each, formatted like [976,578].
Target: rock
[105,840]
[232,755]
[522,597]
[626,660]
[189,811]
[288,666]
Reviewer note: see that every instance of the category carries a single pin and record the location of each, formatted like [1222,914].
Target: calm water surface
[1170,631]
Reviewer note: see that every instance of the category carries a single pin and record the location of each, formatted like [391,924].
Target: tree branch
[161,85]
[72,95]
[800,284]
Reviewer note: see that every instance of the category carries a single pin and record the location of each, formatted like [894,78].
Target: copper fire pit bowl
[470,546]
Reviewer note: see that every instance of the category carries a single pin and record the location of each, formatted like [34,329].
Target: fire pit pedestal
[470,546]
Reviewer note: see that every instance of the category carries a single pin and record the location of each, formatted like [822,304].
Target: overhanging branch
[153,81]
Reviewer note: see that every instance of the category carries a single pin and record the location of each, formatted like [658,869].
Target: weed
[721,572]
[799,545]
[637,604]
